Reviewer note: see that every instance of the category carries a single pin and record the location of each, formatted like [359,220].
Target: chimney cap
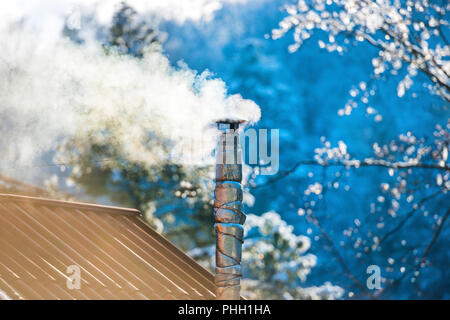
[231,121]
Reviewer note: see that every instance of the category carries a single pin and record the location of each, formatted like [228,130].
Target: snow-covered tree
[407,34]
[410,38]
[275,261]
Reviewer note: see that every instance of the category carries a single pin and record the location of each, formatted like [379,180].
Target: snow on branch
[404,32]
[407,152]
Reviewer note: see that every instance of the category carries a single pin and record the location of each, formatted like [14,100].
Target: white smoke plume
[52,88]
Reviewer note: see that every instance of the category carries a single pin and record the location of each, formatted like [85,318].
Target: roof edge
[69,204]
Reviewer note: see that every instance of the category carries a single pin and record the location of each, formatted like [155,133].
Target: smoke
[53,89]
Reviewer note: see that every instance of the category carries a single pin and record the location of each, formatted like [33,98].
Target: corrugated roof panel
[118,254]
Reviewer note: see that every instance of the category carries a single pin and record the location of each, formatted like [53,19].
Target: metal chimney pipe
[229,218]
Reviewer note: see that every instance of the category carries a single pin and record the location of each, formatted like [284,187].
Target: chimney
[229,218]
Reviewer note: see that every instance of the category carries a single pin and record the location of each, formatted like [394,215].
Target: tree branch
[421,264]
[354,164]
[408,216]
[339,258]
[335,251]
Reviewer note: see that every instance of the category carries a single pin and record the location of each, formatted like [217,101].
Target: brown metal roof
[119,255]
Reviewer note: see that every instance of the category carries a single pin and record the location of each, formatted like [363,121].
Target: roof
[118,254]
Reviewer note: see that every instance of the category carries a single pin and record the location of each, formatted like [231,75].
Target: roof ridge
[70,204]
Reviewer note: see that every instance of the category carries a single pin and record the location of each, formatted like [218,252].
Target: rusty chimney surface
[228,212]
